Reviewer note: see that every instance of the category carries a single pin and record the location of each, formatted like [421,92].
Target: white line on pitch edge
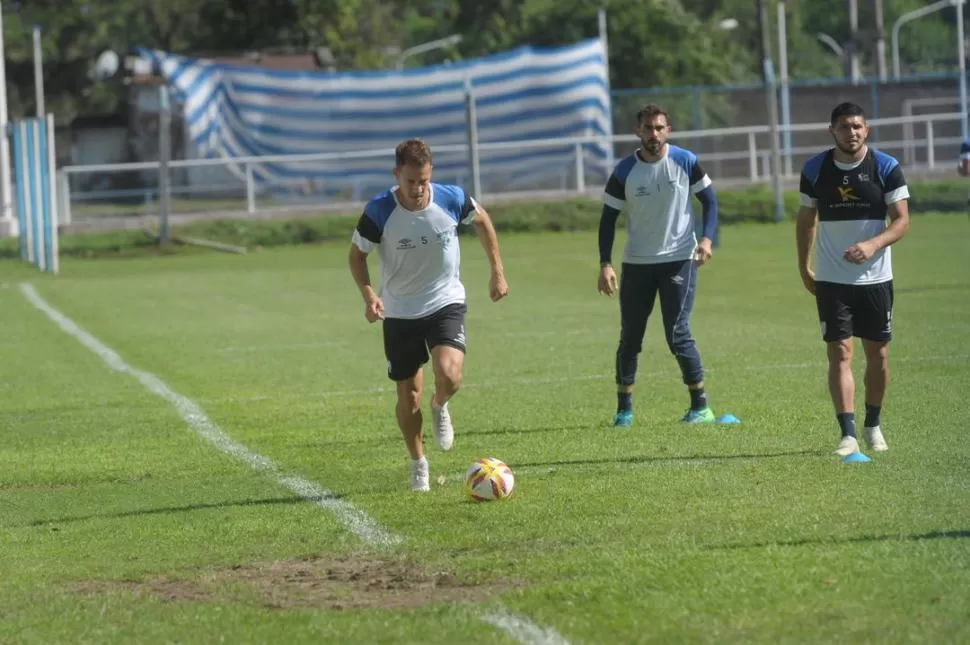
[523,630]
[352,518]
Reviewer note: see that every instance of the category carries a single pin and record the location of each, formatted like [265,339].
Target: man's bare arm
[357,260]
[498,287]
[805,236]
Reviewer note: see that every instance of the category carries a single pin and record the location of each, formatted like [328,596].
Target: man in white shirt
[847,193]
[414,226]
[654,186]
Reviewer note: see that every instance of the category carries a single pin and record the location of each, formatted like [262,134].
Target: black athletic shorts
[847,310]
[408,341]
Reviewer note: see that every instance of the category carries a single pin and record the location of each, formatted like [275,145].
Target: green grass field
[139,505]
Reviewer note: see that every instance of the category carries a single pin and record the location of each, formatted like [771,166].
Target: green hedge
[748,205]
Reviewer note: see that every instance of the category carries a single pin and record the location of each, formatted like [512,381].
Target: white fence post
[752,157]
[53,216]
[930,154]
[250,190]
[580,170]
[64,197]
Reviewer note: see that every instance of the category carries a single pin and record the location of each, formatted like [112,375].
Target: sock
[847,423]
[624,401]
[419,460]
[698,400]
[872,415]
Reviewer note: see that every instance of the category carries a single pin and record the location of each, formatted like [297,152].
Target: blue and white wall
[524,94]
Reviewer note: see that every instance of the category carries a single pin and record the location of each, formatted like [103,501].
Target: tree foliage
[653,43]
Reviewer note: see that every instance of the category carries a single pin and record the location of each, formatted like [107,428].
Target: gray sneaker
[419,476]
[444,433]
[847,446]
[874,439]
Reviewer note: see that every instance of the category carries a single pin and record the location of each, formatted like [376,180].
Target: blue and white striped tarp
[524,94]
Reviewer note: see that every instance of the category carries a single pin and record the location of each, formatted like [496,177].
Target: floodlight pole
[604,38]
[8,223]
[164,156]
[38,73]
[772,98]
[962,55]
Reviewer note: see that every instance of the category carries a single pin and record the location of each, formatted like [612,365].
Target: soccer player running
[414,226]
[654,185]
[850,190]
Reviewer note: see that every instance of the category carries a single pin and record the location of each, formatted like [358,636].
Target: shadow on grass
[461,431]
[916,537]
[642,459]
[174,509]
[933,287]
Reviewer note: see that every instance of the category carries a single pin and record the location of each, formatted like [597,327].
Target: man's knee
[876,352]
[448,365]
[679,340]
[628,348]
[840,351]
[409,395]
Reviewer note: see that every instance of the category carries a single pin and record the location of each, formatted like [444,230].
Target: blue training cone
[855,458]
[728,418]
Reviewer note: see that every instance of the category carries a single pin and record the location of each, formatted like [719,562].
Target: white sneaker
[847,446]
[874,439]
[419,475]
[444,433]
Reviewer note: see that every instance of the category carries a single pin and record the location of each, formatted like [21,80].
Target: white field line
[522,629]
[563,379]
[352,518]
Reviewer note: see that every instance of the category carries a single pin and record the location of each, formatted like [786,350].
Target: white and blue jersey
[657,199]
[852,202]
[418,250]
[965,150]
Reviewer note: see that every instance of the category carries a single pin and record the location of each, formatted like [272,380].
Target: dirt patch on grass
[329,583]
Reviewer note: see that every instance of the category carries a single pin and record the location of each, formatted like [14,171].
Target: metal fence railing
[732,156]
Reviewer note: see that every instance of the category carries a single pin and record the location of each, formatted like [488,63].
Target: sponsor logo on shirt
[847,194]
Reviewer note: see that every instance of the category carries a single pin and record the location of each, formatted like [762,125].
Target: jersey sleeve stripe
[613,202]
[806,201]
[362,242]
[897,195]
[701,184]
[470,217]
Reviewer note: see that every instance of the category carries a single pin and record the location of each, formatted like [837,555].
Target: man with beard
[847,192]
[654,185]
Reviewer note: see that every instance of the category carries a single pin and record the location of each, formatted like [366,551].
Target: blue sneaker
[699,416]
[623,419]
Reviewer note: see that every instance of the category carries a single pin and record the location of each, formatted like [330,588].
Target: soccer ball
[489,479]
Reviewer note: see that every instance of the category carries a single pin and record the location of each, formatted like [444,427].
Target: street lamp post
[909,17]
[447,41]
[961,48]
[832,44]
[770,86]
[8,223]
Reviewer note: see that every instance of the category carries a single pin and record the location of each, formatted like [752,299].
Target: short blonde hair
[413,152]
